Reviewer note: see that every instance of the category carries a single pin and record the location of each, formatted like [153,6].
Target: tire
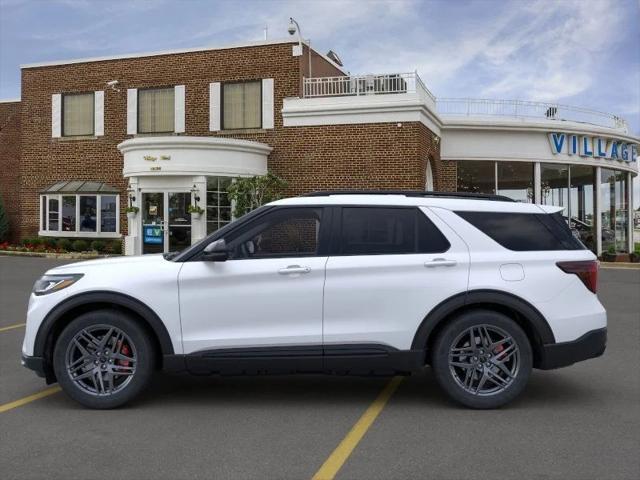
[108,376]
[477,377]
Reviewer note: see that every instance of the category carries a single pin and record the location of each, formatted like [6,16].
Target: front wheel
[103,359]
[482,359]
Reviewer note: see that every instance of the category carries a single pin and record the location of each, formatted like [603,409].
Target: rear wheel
[482,359]
[103,359]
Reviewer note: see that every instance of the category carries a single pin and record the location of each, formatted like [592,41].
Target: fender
[102,297]
[482,297]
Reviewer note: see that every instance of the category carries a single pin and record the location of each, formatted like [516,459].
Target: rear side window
[525,231]
[388,231]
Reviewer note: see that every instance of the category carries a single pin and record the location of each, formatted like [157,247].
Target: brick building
[164,130]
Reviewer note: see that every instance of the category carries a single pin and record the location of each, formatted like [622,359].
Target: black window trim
[243,224]
[165,87]
[335,244]
[93,119]
[235,82]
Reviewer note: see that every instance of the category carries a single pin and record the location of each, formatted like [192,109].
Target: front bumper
[34,363]
[590,345]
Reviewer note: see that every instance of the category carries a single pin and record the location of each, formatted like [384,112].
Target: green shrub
[49,242]
[65,244]
[80,246]
[98,245]
[115,247]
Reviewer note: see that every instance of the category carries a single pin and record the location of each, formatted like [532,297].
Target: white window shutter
[214,106]
[178,96]
[267,103]
[132,111]
[56,115]
[98,112]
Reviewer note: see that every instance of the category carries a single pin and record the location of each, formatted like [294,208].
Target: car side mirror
[216,251]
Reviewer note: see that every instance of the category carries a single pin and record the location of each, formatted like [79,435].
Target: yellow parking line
[334,463]
[31,398]
[11,327]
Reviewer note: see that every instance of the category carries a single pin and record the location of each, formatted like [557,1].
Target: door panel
[269,293]
[382,299]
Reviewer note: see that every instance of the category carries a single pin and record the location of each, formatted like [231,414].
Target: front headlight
[52,283]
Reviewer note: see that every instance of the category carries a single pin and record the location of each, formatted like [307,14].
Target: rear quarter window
[524,232]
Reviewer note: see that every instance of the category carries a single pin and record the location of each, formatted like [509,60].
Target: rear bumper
[590,345]
[34,363]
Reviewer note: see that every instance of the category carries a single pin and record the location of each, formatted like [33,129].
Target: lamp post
[294,28]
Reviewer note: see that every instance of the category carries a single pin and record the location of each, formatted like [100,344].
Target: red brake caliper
[125,350]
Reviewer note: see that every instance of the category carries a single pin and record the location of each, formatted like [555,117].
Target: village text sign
[596,147]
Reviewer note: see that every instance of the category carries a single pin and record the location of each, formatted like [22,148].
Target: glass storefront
[582,204]
[515,180]
[477,176]
[614,210]
[572,187]
[554,186]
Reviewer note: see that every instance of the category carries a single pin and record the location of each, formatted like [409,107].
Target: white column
[133,240]
[537,183]
[199,226]
[630,211]
[132,111]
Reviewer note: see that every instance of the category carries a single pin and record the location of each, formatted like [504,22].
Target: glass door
[179,221]
[153,225]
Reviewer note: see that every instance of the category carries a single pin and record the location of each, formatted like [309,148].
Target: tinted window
[291,232]
[525,231]
[376,231]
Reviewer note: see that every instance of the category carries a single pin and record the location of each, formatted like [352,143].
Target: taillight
[587,271]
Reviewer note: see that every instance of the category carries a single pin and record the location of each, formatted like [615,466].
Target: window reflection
[614,210]
[515,180]
[476,176]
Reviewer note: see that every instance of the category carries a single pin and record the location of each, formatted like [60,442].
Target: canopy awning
[80,186]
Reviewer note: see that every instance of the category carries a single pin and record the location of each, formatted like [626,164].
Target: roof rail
[412,193]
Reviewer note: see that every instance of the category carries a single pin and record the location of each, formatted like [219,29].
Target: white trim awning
[182,155]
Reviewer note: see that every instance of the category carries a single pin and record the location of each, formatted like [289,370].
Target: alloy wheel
[101,360]
[484,360]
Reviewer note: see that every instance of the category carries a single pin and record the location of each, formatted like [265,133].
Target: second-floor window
[156,111]
[242,105]
[78,114]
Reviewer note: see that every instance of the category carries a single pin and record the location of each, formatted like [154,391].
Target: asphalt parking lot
[581,422]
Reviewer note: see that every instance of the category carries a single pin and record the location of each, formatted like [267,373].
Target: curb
[62,256]
[621,265]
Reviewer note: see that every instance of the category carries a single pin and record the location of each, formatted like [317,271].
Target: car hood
[139,261]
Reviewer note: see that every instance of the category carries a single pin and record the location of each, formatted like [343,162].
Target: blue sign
[597,147]
[152,235]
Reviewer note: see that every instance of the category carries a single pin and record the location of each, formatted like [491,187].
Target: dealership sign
[597,147]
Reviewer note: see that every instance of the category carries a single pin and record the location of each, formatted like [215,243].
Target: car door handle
[440,262]
[293,269]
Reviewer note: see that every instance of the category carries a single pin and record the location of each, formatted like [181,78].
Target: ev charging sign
[596,147]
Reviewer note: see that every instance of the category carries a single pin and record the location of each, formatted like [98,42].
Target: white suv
[480,288]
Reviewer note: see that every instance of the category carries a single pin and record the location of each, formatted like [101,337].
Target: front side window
[291,232]
[77,114]
[242,105]
[388,231]
[156,110]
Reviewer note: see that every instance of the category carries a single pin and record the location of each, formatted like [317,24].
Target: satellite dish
[334,58]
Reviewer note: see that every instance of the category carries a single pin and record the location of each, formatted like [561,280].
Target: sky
[577,52]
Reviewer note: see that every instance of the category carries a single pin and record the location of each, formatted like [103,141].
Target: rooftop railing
[398,83]
[356,85]
[471,107]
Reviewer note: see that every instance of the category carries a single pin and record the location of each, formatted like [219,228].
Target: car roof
[398,199]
